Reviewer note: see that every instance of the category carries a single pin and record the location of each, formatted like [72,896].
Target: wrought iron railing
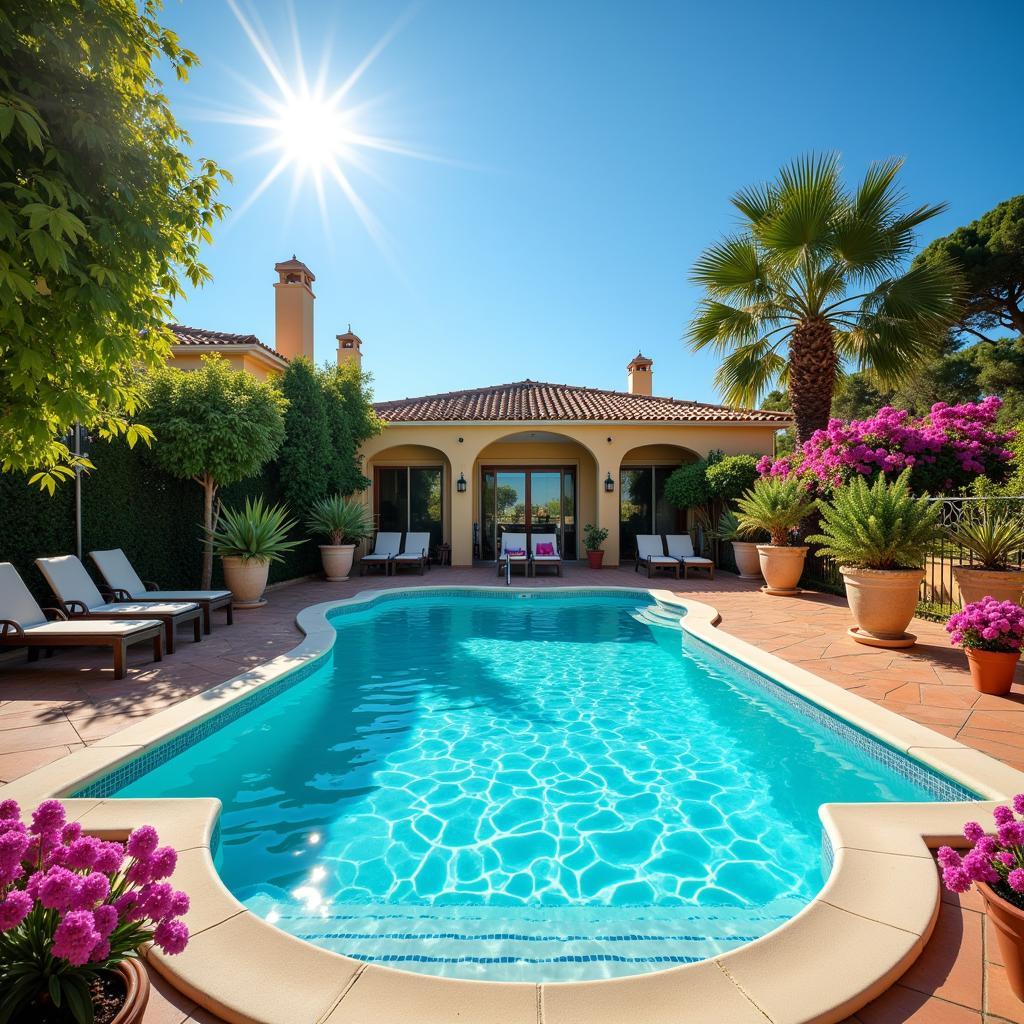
[939,593]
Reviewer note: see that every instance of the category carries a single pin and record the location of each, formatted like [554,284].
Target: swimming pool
[534,787]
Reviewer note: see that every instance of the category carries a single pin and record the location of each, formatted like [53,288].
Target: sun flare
[311,131]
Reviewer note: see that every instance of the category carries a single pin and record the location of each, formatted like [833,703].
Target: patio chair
[651,552]
[385,547]
[680,546]
[513,552]
[24,624]
[79,597]
[416,553]
[123,584]
[545,552]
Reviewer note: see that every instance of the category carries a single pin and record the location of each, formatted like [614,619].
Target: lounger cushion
[386,544]
[118,572]
[547,558]
[183,595]
[93,627]
[662,559]
[16,601]
[680,545]
[697,560]
[141,609]
[69,580]
[648,545]
[374,557]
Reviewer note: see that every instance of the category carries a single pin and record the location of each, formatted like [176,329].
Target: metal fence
[940,595]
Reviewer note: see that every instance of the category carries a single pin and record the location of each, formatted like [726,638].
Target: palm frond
[756,202]
[748,373]
[731,269]
[877,198]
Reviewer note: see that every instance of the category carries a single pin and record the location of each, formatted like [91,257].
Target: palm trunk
[209,493]
[812,376]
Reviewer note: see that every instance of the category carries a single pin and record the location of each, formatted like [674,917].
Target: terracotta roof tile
[201,336]
[534,401]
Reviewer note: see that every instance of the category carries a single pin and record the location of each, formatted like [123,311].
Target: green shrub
[594,537]
[306,453]
[687,487]
[732,477]
[351,421]
[776,505]
[878,527]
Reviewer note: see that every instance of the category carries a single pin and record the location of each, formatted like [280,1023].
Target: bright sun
[312,132]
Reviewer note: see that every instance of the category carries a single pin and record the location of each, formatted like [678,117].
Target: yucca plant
[883,526]
[256,532]
[996,539]
[343,521]
[776,505]
[729,528]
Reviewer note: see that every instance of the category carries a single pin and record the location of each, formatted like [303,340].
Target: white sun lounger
[125,584]
[514,542]
[24,624]
[416,553]
[80,598]
[680,546]
[651,552]
[554,561]
[385,547]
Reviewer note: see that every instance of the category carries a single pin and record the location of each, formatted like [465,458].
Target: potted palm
[748,562]
[991,633]
[879,536]
[995,539]
[75,914]
[248,540]
[345,523]
[593,538]
[777,506]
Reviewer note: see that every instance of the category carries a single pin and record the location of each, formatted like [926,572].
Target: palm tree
[821,269]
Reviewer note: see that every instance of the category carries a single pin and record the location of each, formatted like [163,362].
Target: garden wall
[127,502]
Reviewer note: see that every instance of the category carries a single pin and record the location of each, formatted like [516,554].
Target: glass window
[529,501]
[642,505]
[392,498]
[409,498]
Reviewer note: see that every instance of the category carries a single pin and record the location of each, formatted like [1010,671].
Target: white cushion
[16,601]
[648,545]
[662,560]
[679,545]
[697,560]
[69,580]
[182,595]
[386,544]
[115,568]
[98,627]
[142,609]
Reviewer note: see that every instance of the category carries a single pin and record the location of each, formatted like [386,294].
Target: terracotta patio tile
[1000,1001]
[166,1004]
[14,765]
[901,1005]
[1005,720]
[908,693]
[951,965]
[948,696]
[928,715]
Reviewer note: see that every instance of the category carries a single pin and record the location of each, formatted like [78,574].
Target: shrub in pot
[995,863]
[593,538]
[777,506]
[248,540]
[879,536]
[744,549]
[991,633]
[74,913]
[995,539]
[344,523]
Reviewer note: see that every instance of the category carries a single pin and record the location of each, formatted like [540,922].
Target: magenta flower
[105,918]
[48,817]
[109,858]
[70,832]
[9,810]
[143,842]
[171,936]
[973,831]
[82,852]
[75,937]
[14,908]
[988,625]
[1015,879]
[163,863]
[93,889]
[996,860]
[58,889]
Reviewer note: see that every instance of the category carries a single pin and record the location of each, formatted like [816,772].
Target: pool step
[658,615]
[507,943]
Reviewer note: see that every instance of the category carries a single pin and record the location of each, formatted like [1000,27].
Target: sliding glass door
[409,499]
[530,501]
[642,505]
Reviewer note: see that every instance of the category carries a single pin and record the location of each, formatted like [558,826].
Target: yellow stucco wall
[251,363]
[595,448]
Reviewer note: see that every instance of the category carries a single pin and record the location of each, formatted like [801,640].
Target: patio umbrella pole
[78,493]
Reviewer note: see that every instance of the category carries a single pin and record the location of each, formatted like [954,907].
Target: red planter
[594,558]
[992,671]
[1008,922]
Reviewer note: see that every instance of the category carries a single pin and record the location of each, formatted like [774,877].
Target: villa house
[525,457]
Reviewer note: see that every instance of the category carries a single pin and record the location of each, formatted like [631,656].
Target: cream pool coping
[868,924]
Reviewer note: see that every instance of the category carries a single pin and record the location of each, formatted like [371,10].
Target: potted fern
[748,562]
[995,539]
[777,506]
[344,523]
[879,536]
[248,540]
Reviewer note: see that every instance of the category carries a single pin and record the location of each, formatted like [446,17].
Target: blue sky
[587,151]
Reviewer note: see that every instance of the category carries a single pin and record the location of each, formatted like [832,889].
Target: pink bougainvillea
[944,450]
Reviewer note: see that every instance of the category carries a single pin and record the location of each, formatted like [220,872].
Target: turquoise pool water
[527,788]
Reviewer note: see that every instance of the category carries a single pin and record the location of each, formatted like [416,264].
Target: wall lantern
[460,484]
[609,483]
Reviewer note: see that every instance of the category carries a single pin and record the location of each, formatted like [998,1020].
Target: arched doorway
[410,491]
[536,483]
[642,505]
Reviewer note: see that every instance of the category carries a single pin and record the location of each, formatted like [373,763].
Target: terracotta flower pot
[246,579]
[782,566]
[136,983]
[883,602]
[992,671]
[975,584]
[748,562]
[1008,922]
[594,559]
[337,560]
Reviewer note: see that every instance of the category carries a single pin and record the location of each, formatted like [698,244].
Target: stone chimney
[350,348]
[639,378]
[293,296]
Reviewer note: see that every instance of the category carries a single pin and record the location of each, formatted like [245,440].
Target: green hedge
[127,502]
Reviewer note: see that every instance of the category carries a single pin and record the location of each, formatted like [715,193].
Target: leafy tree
[687,487]
[729,478]
[990,255]
[102,213]
[306,455]
[352,421]
[819,268]
[214,425]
